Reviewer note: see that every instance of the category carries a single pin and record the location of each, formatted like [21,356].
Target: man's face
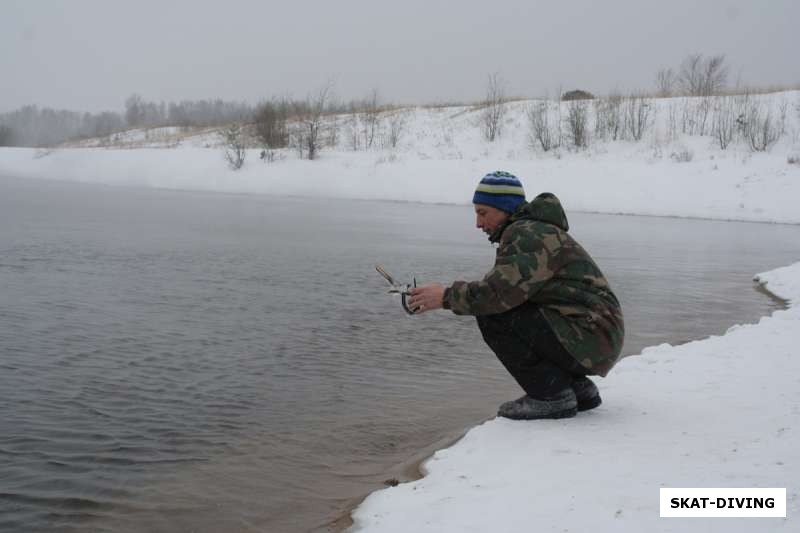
[488,218]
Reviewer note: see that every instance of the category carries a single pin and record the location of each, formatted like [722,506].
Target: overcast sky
[90,55]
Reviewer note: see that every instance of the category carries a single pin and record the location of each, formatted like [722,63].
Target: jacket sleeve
[523,265]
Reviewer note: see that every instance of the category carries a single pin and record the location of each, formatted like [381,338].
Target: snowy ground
[720,412]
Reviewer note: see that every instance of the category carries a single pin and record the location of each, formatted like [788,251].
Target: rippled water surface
[174,361]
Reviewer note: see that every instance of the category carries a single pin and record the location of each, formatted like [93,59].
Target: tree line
[309,124]
[31,125]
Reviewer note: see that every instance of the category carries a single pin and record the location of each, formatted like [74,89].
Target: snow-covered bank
[731,186]
[719,412]
[442,154]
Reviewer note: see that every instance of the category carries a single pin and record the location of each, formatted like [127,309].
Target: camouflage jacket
[538,262]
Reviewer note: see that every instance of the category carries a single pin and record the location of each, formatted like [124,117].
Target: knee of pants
[495,333]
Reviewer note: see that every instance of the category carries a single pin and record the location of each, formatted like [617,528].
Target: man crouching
[545,308]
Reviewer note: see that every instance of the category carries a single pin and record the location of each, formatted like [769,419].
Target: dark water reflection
[182,361]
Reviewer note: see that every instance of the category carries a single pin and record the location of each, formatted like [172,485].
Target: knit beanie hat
[500,190]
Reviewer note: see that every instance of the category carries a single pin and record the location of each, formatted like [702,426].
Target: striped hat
[501,190]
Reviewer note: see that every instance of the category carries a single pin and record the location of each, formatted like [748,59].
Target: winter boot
[561,405]
[586,393]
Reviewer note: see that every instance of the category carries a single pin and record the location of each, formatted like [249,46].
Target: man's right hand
[427,298]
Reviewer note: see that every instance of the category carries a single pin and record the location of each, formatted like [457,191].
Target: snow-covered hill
[441,153]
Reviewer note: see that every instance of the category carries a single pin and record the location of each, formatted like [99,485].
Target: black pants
[526,345]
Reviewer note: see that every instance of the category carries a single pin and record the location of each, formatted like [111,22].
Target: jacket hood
[544,208]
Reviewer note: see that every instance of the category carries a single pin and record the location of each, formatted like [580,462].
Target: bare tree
[371,121]
[270,121]
[311,114]
[701,76]
[493,108]
[690,75]
[715,75]
[665,82]
[397,125]
[233,146]
[134,110]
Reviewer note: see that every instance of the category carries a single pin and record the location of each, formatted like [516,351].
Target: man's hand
[427,298]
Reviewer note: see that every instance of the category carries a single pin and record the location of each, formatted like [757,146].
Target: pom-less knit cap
[500,190]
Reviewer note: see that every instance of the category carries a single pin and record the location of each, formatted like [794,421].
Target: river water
[179,361]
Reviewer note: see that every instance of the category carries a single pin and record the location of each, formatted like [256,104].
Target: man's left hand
[427,298]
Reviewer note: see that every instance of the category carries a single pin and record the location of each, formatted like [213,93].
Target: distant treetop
[577,94]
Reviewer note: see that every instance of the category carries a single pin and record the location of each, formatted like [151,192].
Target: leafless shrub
[762,132]
[397,121]
[493,108]
[577,115]
[694,115]
[234,146]
[542,130]
[724,123]
[637,111]
[793,159]
[796,129]
[600,129]
[353,128]
[687,122]
[704,110]
[665,82]
[270,155]
[657,145]
[755,124]
[783,109]
[744,105]
[387,158]
[682,155]
[270,122]
[672,121]
[43,152]
[608,118]
[332,132]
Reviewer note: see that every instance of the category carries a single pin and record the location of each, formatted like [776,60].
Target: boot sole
[567,413]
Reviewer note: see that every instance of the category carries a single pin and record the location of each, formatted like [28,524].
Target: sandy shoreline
[410,470]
